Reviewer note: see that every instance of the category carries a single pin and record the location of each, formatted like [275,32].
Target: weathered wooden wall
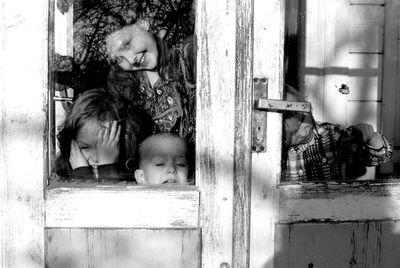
[23,124]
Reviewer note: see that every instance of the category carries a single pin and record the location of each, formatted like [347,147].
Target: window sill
[121,205]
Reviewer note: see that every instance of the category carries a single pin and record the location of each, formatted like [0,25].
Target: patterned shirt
[322,157]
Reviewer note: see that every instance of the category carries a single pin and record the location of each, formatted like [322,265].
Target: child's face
[301,127]
[163,161]
[133,48]
[87,139]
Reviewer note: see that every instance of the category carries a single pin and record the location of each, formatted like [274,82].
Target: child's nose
[171,168]
[93,157]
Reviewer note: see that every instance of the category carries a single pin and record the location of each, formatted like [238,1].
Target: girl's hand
[76,158]
[107,144]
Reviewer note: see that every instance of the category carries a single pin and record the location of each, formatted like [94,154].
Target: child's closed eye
[126,44]
[159,164]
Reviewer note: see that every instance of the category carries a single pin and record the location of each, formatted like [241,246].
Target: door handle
[262,105]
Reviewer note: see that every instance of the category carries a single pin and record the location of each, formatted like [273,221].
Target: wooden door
[351,224]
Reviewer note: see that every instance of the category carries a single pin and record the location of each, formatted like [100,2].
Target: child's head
[297,126]
[92,111]
[133,48]
[162,160]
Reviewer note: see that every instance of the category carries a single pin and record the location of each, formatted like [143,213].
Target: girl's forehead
[89,129]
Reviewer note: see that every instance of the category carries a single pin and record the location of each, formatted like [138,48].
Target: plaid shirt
[322,157]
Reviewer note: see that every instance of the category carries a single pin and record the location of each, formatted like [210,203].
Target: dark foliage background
[94,19]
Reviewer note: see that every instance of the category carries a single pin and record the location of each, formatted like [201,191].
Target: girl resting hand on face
[99,139]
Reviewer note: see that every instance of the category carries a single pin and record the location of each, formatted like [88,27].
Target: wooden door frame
[390,85]
[23,124]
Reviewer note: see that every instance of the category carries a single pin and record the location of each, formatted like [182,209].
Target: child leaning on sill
[314,151]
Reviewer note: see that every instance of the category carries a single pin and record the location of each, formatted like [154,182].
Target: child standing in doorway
[163,160]
[99,138]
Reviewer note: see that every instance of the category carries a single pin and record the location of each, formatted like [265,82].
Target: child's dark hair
[98,104]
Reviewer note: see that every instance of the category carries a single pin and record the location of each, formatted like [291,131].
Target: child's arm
[377,147]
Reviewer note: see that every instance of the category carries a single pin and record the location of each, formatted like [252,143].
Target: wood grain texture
[243,131]
[23,126]
[215,112]
[124,206]
[123,248]
[359,201]
[265,172]
[352,244]
[390,91]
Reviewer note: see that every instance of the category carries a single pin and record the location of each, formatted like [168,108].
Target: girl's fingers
[118,134]
[113,130]
[100,135]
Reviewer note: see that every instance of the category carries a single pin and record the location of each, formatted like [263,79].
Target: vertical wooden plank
[390,83]
[23,88]
[215,31]
[242,150]
[267,62]
[312,54]
[336,60]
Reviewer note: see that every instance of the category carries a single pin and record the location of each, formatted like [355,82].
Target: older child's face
[87,139]
[163,161]
[302,127]
[133,48]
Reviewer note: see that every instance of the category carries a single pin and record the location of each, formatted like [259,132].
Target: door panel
[124,248]
[363,244]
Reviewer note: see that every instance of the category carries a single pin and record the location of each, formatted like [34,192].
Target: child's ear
[139,176]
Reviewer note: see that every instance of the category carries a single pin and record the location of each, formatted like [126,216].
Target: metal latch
[259,127]
[262,105]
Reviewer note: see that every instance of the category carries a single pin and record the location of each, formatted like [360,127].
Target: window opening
[314,148]
[80,62]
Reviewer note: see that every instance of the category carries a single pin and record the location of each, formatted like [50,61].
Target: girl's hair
[97,104]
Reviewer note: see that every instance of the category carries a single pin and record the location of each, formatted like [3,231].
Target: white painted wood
[268,62]
[365,77]
[372,15]
[367,112]
[215,31]
[64,31]
[312,55]
[336,60]
[122,206]
[390,95]
[365,39]
[340,202]
[23,87]
[368,2]
[123,248]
